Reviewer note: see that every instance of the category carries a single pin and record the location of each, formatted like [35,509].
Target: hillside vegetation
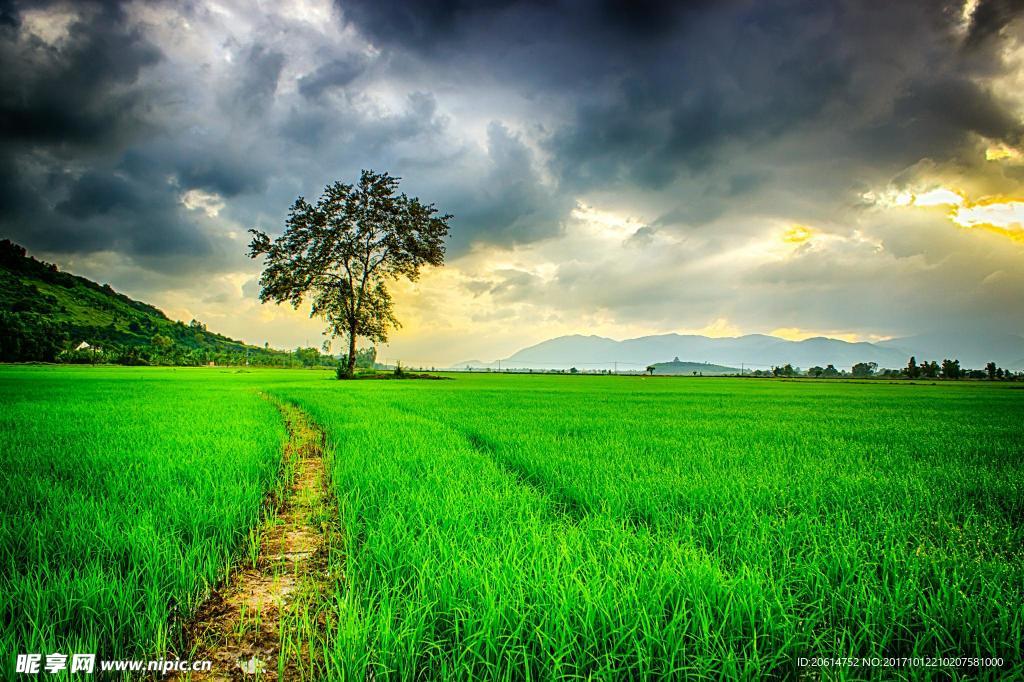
[45,314]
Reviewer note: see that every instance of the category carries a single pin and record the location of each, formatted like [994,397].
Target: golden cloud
[1002,215]
[797,234]
[1002,153]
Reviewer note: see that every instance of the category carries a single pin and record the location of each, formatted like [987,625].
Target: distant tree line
[163,352]
[947,369]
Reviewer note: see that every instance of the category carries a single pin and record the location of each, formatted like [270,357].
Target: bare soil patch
[255,626]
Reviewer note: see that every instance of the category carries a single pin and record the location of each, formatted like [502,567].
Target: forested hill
[45,314]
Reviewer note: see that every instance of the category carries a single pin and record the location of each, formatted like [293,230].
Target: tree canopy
[342,251]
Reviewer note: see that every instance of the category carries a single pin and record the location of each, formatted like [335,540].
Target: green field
[529,527]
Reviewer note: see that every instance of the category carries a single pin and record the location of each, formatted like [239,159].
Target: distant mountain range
[760,351]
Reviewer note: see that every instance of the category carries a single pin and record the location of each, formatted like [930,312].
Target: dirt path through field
[259,625]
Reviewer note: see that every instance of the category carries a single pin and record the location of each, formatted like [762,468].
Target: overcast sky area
[852,169]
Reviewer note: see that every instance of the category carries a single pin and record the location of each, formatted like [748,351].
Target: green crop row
[518,527]
[125,495]
[552,527]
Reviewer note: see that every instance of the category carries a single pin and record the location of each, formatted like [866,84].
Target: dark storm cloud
[257,78]
[508,203]
[8,14]
[79,92]
[653,87]
[693,214]
[204,162]
[990,17]
[336,73]
[936,118]
[365,134]
[67,112]
[422,25]
[670,111]
[646,96]
[98,194]
[453,28]
[88,163]
[107,210]
[661,93]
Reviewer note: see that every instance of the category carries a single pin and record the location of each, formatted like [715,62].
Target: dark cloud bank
[697,113]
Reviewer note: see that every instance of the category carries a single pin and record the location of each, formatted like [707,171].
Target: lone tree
[343,251]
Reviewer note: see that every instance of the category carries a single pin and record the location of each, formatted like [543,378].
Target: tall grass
[510,527]
[505,527]
[125,494]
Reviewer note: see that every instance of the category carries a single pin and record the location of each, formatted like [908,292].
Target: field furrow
[267,617]
[454,566]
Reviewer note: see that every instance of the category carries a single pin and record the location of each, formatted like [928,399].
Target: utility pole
[615,363]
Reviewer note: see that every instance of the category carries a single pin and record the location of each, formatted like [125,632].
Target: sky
[851,168]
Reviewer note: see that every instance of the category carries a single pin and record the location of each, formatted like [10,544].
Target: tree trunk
[350,371]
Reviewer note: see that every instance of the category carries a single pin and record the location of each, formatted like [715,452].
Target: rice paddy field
[516,527]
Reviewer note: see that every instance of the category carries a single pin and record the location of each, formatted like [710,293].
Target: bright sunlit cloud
[720,327]
[940,196]
[797,234]
[604,224]
[1000,215]
[966,12]
[798,334]
[1002,153]
[210,203]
